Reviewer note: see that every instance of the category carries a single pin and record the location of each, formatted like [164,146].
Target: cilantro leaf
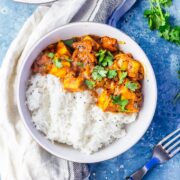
[111,74]
[105,58]
[51,55]
[164,31]
[98,73]
[107,61]
[101,55]
[165,2]
[90,84]
[175,35]
[68,42]
[58,63]
[124,102]
[123,75]
[155,18]
[131,85]
[121,102]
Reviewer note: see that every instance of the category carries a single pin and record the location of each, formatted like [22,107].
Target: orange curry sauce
[96,64]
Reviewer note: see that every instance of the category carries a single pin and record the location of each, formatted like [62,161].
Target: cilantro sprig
[131,85]
[51,55]
[69,42]
[111,74]
[105,58]
[123,75]
[121,102]
[57,63]
[98,73]
[90,84]
[158,19]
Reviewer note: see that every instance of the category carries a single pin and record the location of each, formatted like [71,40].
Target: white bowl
[134,131]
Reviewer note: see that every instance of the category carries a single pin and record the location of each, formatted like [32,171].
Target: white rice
[72,118]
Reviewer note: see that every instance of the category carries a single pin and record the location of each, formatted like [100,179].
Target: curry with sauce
[96,64]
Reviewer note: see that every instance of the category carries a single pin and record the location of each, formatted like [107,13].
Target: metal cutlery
[35,1]
[163,151]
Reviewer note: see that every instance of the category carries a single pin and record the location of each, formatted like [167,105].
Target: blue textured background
[165,59]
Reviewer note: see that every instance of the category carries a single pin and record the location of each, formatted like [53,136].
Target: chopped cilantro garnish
[122,77]
[107,61]
[111,74]
[98,73]
[80,64]
[58,63]
[105,58]
[121,102]
[51,55]
[131,85]
[101,55]
[69,42]
[90,84]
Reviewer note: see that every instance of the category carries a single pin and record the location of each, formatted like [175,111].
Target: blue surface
[165,59]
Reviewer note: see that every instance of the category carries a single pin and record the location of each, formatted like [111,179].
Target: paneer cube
[94,43]
[73,84]
[104,100]
[59,72]
[62,49]
[133,68]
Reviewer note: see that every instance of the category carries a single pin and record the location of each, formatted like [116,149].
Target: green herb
[98,73]
[158,19]
[107,61]
[122,77]
[58,63]
[121,102]
[80,64]
[101,55]
[176,98]
[68,59]
[51,55]
[178,74]
[131,85]
[105,58]
[90,84]
[111,74]
[165,2]
[69,42]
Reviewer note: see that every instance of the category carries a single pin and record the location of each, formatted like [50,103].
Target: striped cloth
[21,157]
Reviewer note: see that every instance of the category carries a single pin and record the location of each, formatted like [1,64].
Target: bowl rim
[83,23]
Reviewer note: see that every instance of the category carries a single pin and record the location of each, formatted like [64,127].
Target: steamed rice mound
[72,118]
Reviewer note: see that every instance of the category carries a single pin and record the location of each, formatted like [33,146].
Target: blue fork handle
[139,174]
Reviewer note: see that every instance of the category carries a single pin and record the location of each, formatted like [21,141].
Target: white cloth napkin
[21,158]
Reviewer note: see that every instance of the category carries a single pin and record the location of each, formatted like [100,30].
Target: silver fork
[163,151]
[35,1]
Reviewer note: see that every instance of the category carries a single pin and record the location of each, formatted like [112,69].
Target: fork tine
[173,146]
[171,141]
[169,136]
[174,152]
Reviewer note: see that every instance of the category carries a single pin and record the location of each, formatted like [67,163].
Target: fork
[163,151]
[36,1]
